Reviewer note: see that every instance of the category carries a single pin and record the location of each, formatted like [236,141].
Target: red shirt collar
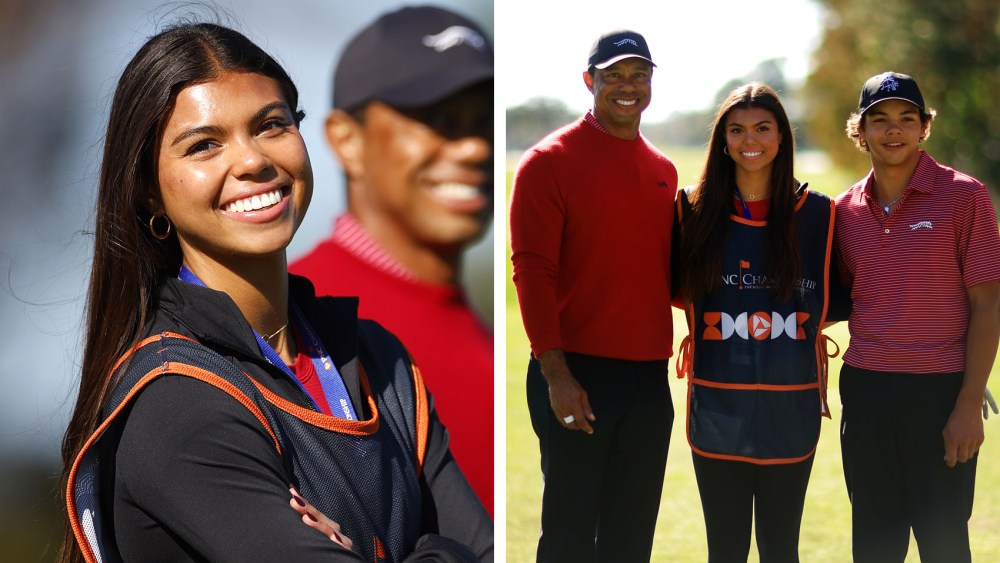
[922,180]
[592,119]
[352,237]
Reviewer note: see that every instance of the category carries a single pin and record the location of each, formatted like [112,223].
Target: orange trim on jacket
[314,418]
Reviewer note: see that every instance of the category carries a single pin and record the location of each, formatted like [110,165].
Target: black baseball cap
[890,86]
[411,58]
[617,45]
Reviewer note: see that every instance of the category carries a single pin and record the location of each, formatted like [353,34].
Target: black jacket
[197,478]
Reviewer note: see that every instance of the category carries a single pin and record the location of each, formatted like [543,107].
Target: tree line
[951,47]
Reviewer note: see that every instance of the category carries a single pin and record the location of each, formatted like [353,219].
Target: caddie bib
[756,366]
[362,474]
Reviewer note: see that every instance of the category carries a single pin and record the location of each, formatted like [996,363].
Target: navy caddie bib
[756,365]
[364,474]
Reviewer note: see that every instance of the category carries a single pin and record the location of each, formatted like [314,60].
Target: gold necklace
[753,197]
[275,333]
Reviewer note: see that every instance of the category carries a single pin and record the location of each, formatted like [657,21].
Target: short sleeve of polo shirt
[979,240]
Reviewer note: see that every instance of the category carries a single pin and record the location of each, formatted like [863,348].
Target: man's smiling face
[621,92]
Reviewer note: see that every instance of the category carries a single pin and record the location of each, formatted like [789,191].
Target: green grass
[680,531]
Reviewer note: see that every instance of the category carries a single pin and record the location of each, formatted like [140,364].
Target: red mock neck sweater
[590,222]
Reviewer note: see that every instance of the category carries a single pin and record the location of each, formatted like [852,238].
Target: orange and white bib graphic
[759,325]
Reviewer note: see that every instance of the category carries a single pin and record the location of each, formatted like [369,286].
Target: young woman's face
[233,170]
[752,139]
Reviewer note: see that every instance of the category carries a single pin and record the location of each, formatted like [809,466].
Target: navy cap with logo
[889,86]
[617,45]
[412,58]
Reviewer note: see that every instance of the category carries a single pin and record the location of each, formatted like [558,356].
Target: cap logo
[454,36]
[626,40]
[889,84]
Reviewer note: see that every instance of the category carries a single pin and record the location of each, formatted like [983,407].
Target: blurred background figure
[58,64]
[412,126]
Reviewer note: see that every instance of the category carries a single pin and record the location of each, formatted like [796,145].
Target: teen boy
[919,247]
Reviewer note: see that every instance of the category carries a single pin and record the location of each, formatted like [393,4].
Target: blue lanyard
[746,209]
[333,384]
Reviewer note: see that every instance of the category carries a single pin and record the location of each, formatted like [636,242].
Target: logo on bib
[758,326]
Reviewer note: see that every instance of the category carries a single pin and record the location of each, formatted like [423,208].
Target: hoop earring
[152,227]
[725,150]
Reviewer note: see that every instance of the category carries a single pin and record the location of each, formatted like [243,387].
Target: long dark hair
[130,264]
[707,226]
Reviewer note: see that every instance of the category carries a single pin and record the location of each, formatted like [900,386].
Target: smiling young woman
[235,182]
[754,254]
[213,382]
[233,170]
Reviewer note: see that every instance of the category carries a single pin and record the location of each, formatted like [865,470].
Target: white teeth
[454,190]
[626,102]
[752,154]
[255,203]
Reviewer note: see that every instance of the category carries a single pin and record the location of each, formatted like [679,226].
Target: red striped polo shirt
[909,272]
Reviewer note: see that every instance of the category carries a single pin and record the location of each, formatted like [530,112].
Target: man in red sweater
[412,125]
[590,222]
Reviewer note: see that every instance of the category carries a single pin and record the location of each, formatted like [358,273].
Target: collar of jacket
[212,318]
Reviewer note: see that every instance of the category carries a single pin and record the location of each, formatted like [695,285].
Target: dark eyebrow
[904,112]
[216,130]
[765,121]
[204,130]
[262,112]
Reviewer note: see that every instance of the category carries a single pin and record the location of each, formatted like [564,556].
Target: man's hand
[569,401]
[963,434]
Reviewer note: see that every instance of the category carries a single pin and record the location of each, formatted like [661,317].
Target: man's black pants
[602,491]
[893,450]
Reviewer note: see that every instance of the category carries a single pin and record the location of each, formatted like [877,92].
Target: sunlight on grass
[680,532]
